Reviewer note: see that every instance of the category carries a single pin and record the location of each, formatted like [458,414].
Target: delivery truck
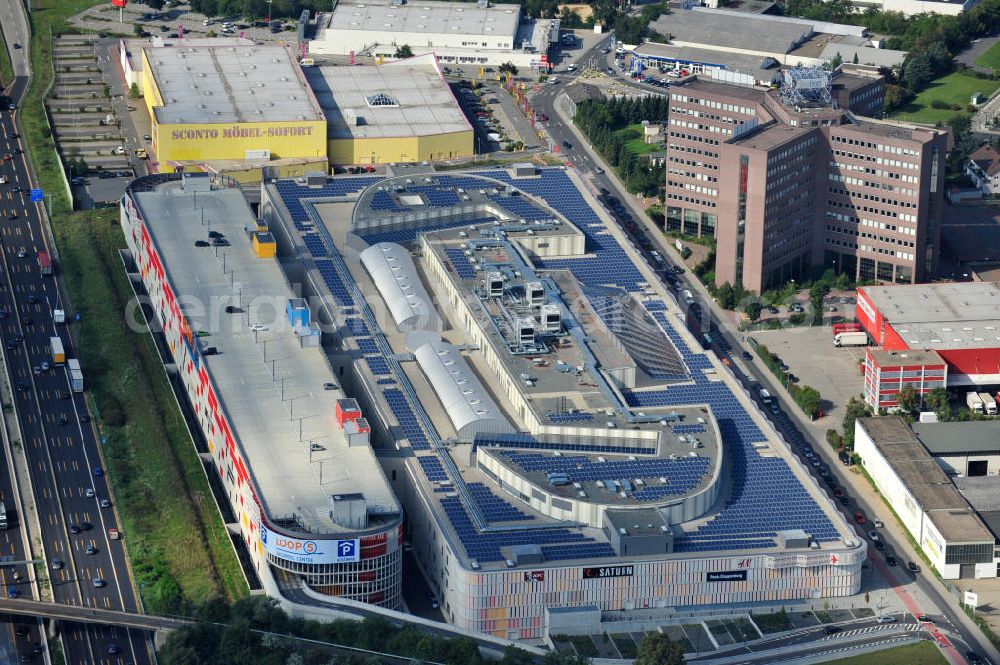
[846,327]
[850,339]
[989,404]
[973,401]
[58,354]
[75,375]
[44,263]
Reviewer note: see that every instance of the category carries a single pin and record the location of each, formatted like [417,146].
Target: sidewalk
[911,596]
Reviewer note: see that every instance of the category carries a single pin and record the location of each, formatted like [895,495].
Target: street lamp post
[269,13]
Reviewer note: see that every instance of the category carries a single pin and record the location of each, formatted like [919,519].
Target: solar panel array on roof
[494,508]
[682,475]
[766,496]
[432,468]
[341,294]
[407,235]
[458,259]
[400,408]
[485,547]
[315,245]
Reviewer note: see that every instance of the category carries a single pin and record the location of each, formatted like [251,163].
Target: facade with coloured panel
[298,471]
[959,322]
[666,427]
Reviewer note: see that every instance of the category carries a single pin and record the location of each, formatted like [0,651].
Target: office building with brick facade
[806,182]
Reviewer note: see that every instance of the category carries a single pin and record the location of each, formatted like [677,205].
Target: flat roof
[399,99]
[233,83]
[754,65]
[925,480]
[732,30]
[941,315]
[959,437]
[292,481]
[427,16]
[900,358]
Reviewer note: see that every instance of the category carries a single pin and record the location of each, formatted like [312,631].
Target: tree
[404,51]
[138,28]
[838,60]
[155,5]
[937,401]
[855,409]
[659,649]
[509,68]
[855,61]
[752,310]
[726,296]
[133,91]
[809,399]
[908,399]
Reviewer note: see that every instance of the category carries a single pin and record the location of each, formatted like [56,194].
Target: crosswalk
[878,628]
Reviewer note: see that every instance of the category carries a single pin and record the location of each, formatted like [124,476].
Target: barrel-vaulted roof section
[467,402]
[392,270]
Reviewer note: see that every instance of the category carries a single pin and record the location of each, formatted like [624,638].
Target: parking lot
[176,19]
[812,357]
[498,123]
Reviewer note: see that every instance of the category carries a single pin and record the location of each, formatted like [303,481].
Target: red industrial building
[930,335]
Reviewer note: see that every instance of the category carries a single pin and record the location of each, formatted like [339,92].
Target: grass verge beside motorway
[6,68]
[179,549]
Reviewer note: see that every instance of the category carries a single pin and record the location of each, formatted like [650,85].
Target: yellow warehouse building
[401,111]
[231,102]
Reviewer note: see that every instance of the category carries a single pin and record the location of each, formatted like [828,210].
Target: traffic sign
[37,195]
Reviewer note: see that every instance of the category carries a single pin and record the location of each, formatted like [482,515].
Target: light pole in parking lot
[269,13]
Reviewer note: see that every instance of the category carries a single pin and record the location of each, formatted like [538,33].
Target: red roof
[987,158]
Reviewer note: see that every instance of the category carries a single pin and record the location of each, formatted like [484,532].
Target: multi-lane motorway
[65,467]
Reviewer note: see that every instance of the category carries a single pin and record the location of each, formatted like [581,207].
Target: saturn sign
[309,551]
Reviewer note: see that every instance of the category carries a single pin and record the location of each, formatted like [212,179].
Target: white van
[765,397]
[688,296]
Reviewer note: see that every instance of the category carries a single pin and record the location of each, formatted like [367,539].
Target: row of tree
[604,122]
[255,631]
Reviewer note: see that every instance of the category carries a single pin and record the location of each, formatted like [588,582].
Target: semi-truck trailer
[58,354]
[75,375]
[989,404]
[973,401]
[44,263]
[850,339]
[3,516]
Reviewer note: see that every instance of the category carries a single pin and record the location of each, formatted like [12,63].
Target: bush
[940,104]
[834,439]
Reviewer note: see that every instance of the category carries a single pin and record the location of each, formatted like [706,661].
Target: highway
[910,590]
[59,443]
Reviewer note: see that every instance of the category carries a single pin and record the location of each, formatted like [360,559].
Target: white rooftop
[400,99]
[225,84]
[266,413]
[427,16]
[941,315]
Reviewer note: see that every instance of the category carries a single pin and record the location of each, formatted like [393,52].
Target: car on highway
[914,568]
[98,582]
[57,564]
[98,471]
[567,145]
[873,535]
[974,658]
[923,618]
[105,503]
[830,630]
[886,619]
[12,591]
[22,387]
[90,549]
[74,529]
[747,356]
[89,493]
[890,560]
[114,649]
[877,524]
[859,518]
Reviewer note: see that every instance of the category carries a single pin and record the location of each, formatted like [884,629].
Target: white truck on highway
[850,339]
[974,403]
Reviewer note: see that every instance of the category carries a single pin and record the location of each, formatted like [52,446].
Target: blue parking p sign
[37,195]
[347,550]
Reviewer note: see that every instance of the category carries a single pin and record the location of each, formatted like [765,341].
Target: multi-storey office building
[807,182]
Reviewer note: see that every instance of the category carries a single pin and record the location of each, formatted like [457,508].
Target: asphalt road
[61,449]
[646,238]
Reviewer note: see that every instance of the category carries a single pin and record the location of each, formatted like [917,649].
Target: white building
[983,168]
[951,534]
[913,7]
[457,32]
